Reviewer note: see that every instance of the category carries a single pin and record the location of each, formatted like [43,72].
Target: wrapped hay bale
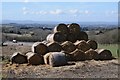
[82,45]
[58,37]
[46,58]
[78,55]
[61,28]
[19,58]
[74,28]
[92,54]
[104,54]
[54,47]
[34,59]
[68,46]
[93,44]
[57,59]
[82,36]
[39,48]
[71,37]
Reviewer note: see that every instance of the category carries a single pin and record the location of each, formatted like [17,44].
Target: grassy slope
[112,47]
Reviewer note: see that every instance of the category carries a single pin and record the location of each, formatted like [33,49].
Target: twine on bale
[92,54]
[54,47]
[82,45]
[78,55]
[34,59]
[104,54]
[93,44]
[39,48]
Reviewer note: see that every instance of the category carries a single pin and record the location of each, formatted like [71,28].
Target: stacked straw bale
[18,58]
[82,45]
[68,46]
[39,48]
[104,54]
[54,47]
[92,54]
[46,58]
[93,44]
[82,36]
[57,59]
[56,37]
[61,28]
[71,37]
[34,59]
[74,28]
[65,43]
[78,55]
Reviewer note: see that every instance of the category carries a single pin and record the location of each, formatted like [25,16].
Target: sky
[61,11]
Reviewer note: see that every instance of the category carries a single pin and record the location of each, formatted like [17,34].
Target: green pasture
[112,47]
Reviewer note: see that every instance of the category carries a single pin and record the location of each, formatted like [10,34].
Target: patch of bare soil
[81,69]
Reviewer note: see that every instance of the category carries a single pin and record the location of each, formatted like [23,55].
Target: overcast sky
[61,11]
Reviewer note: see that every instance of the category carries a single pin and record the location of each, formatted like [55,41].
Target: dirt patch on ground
[81,69]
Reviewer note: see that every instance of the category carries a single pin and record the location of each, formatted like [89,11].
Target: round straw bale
[39,48]
[57,59]
[78,55]
[82,36]
[92,54]
[82,45]
[68,57]
[46,58]
[104,54]
[71,37]
[54,47]
[19,58]
[68,46]
[61,28]
[93,44]
[74,28]
[45,42]
[58,37]
[77,42]
[34,59]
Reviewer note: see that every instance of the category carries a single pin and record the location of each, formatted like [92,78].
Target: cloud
[73,11]
[41,12]
[56,12]
[77,12]
[113,12]
[25,10]
[26,1]
[86,12]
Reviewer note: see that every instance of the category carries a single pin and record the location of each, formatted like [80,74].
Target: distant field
[112,47]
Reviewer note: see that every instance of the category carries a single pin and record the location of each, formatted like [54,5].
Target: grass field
[112,47]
